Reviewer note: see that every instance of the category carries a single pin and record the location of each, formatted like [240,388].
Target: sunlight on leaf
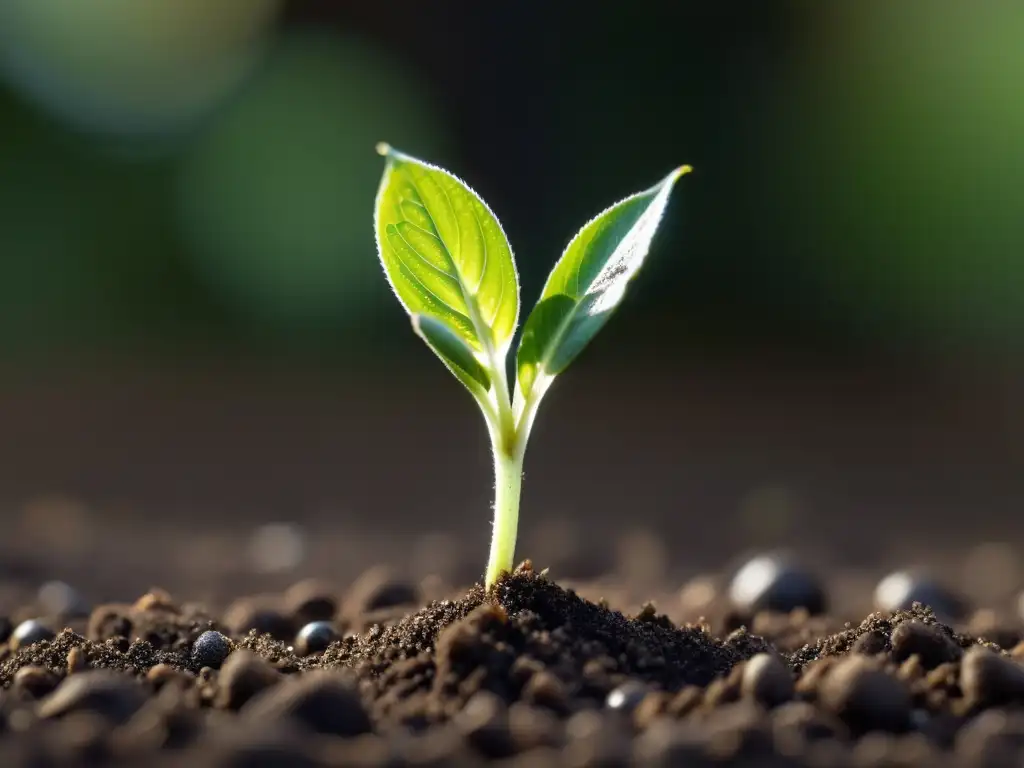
[445,253]
[588,283]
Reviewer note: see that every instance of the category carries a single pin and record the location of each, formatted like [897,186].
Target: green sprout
[450,265]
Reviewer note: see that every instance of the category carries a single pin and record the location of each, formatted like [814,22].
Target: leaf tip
[383,148]
[682,170]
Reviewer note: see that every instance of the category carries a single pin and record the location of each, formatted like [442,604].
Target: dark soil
[529,675]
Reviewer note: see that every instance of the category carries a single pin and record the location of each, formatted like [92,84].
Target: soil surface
[529,674]
[329,555]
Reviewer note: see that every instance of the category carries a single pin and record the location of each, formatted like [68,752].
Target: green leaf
[454,352]
[588,283]
[445,254]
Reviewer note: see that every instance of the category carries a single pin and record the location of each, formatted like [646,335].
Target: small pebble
[990,679]
[774,583]
[6,628]
[210,649]
[325,702]
[767,680]
[114,696]
[28,633]
[243,676]
[315,637]
[626,698]
[901,589]
[928,643]
[866,697]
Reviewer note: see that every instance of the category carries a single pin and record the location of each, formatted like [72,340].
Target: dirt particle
[865,696]
[767,680]
[988,678]
[155,600]
[34,682]
[78,660]
[322,701]
[115,697]
[927,642]
[243,676]
[110,620]
[162,674]
[870,643]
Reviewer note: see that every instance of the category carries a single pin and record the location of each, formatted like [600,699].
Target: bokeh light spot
[125,67]
[277,198]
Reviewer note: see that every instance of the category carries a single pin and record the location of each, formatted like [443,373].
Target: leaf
[588,283]
[445,254]
[453,351]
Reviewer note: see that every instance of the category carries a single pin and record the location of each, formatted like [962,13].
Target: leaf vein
[419,255]
[415,278]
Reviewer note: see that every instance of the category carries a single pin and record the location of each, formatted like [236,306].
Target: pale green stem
[508,483]
[509,434]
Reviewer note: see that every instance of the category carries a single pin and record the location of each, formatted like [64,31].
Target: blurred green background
[193,177]
[824,351]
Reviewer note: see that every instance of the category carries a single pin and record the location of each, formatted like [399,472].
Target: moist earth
[527,674]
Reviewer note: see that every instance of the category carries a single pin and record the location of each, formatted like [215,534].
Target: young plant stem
[508,483]
[508,445]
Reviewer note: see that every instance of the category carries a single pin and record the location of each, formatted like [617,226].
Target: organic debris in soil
[528,672]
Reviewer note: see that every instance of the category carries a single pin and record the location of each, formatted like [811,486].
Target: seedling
[450,265]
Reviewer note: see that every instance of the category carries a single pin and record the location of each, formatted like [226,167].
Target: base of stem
[508,482]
